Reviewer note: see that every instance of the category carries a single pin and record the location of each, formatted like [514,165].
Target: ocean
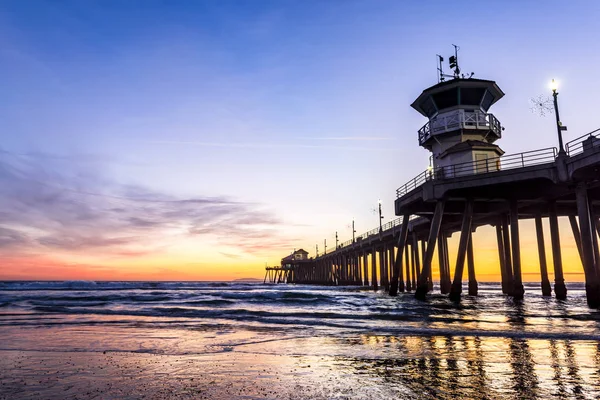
[84,339]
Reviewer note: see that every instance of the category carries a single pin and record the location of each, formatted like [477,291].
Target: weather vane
[541,105]
[453,63]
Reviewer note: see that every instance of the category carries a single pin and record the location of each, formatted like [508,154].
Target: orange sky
[181,262]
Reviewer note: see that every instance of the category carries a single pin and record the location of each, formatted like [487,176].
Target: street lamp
[380,217]
[353,230]
[336,240]
[559,125]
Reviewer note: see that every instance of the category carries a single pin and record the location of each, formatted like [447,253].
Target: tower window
[429,107]
[487,100]
[471,96]
[446,99]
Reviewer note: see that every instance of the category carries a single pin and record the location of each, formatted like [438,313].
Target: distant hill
[247,280]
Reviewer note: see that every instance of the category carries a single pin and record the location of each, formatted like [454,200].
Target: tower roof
[474,92]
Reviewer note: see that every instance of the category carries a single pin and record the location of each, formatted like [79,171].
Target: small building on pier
[297,255]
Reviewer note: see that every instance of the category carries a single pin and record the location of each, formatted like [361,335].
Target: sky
[202,140]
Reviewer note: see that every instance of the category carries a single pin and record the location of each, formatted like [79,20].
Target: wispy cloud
[351,138]
[275,145]
[45,208]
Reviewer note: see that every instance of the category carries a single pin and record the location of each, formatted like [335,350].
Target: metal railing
[583,143]
[483,166]
[373,232]
[414,183]
[459,119]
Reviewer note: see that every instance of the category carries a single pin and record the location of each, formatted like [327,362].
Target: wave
[115,285]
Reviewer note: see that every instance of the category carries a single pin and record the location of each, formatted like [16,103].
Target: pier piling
[539,228]
[465,235]
[434,230]
[560,290]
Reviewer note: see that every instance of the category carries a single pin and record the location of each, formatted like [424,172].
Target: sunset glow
[205,141]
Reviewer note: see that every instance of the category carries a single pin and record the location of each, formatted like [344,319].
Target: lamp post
[559,125]
[380,217]
[353,230]
[324,246]
[336,240]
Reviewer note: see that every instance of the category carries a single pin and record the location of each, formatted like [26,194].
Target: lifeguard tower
[460,132]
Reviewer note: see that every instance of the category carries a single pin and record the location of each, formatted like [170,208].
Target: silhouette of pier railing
[582,143]
[488,165]
[372,233]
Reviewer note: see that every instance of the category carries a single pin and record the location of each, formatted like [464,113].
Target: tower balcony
[458,120]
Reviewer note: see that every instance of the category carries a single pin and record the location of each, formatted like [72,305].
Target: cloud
[352,138]
[278,146]
[47,207]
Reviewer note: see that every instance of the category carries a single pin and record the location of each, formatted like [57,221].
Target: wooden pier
[489,188]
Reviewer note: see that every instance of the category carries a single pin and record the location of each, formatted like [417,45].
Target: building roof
[469,145]
[491,86]
[300,251]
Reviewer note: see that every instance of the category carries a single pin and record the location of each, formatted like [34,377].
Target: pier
[472,183]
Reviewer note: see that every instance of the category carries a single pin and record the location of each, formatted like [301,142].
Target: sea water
[489,346]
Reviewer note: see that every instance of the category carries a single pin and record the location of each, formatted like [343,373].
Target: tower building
[461,133]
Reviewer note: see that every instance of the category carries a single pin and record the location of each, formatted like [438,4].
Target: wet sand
[135,363]
[264,367]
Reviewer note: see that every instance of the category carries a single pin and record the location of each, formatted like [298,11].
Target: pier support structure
[539,229]
[592,286]
[560,290]
[422,285]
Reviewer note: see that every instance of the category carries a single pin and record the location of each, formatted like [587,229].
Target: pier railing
[483,166]
[583,143]
[373,232]
[459,119]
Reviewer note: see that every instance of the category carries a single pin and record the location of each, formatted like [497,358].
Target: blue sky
[297,109]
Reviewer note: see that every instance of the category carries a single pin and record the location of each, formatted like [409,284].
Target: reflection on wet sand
[487,368]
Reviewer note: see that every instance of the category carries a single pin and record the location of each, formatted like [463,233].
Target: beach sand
[213,363]
[221,365]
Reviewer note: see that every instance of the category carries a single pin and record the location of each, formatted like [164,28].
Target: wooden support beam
[592,286]
[434,230]
[518,290]
[417,257]
[465,235]
[374,268]
[409,278]
[392,262]
[413,266]
[430,277]
[365,258]
[576,235]
[501,256]
[507,255]
[539,229]
[473,286]
[397,279]
[381,274]
[560,290]
[385,268]
[442,263]
[447,263]
[594,238]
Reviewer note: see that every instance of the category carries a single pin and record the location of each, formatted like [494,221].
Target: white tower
[461,133]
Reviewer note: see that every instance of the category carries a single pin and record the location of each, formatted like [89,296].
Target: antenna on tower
[441,77]
[453,61]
